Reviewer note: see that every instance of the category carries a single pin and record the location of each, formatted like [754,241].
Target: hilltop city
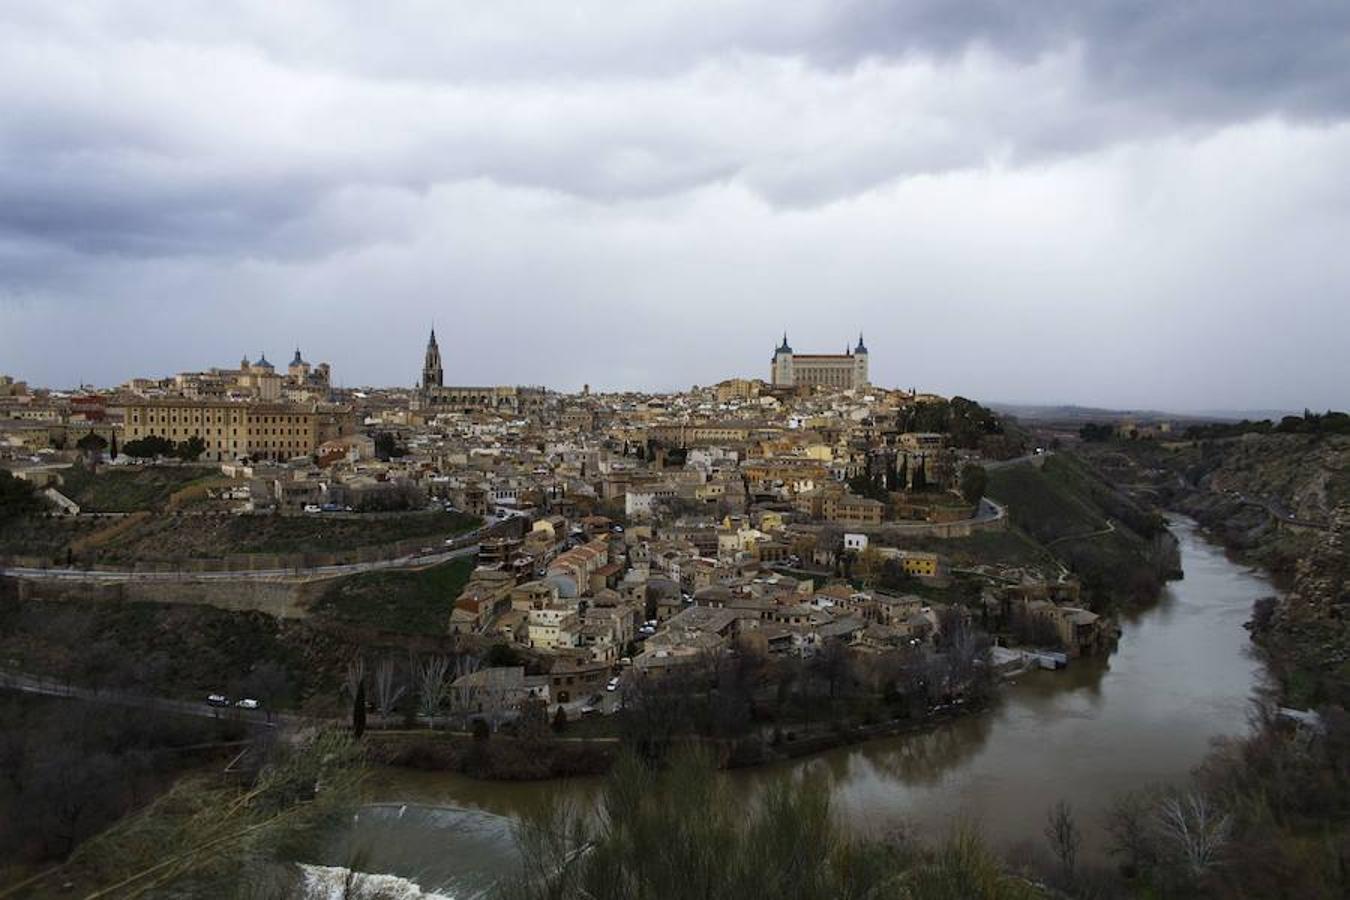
[518,583]
[615,532]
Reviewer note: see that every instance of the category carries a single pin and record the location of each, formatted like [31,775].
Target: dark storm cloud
[1022,174]
[139,139]
[1212,59]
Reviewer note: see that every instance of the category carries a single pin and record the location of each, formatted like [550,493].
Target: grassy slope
[127,490]
[1063,505]
[175,650]
[1045,503]
[213,536]
[416,602]
[43,537]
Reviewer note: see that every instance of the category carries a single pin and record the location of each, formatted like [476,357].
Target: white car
[247,703]
[218,700]
[313,508]
[613,685]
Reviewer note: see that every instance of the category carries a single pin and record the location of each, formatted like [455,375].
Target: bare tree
[356,674]
[1196,831]
[433,685]
[466,664]
[833,664]
[388,690]
[1129,822]
[1064,836]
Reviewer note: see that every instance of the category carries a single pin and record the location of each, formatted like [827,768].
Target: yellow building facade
[233,430]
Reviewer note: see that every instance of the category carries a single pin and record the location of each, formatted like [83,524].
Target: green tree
[502,655]
[149,447]
[864,486]
[91,444]
[974,481]
[190,449]
[17,497]
[387,446]
[1094,433]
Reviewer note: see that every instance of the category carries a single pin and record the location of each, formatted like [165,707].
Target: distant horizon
[1254,413]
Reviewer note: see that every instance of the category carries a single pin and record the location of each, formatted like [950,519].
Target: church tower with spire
[432,376]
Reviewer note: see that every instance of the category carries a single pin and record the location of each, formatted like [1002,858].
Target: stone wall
[286,598]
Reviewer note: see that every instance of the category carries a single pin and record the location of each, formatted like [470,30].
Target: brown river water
[1182,675]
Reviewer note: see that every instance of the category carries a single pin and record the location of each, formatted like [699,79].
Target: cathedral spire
[432,375]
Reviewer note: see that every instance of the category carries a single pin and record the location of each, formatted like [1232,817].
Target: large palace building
[231,430]
[838,372]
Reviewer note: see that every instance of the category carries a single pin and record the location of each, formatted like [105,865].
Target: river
[1182,674]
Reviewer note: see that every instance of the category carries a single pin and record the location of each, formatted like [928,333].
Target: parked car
[247,703]
[218,700]
[313,508]
[588,710]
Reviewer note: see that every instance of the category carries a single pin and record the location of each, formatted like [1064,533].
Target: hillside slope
[1118,547]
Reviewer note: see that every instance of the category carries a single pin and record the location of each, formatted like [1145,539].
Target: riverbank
[502,757]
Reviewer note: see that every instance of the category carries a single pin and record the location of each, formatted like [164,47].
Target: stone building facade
[234,430]
[840,372]
[435,396]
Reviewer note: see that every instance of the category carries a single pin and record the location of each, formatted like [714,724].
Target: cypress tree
[359,710]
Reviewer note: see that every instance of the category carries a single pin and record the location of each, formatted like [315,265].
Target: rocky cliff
[1306,633]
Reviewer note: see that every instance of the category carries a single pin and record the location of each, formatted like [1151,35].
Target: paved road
[993,465]
[406,562]
[1109,529]
[51,687]
[1276,509]
[610,702]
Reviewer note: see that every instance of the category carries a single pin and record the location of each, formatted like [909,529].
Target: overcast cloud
[1129,204]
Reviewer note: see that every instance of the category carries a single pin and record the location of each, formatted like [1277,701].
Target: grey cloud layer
[224,127]
[344,170]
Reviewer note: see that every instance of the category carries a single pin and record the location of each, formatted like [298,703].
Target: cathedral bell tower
[432,375]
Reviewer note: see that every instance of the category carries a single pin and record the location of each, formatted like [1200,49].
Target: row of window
[171,418]
[234,443]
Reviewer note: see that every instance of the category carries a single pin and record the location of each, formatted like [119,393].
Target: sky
[1129,204]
